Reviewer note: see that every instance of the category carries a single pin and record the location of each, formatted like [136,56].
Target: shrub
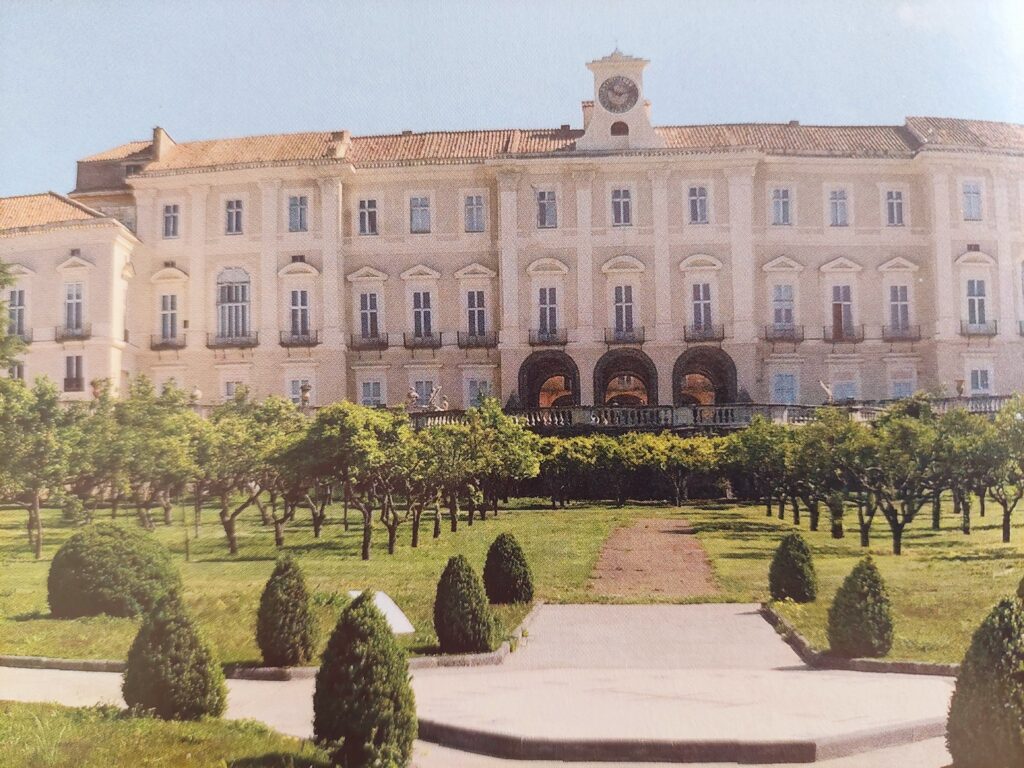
[284,623]
[791,574]
[507,576]
[860,620]
[462,618]
[109,569]
[171,671]
[986,715]
[363,704]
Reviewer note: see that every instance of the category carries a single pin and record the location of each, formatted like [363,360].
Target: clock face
[618,94]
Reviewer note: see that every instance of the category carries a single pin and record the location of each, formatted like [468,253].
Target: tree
[504,452]
[462,616]
[10,346]
[613,467]
[757,451]
[564,465]
[791,574]
[860,617]
[277,427]
[284,622]
[960,458]
[685,458]
[507,577]
[1005,448]
[453,452]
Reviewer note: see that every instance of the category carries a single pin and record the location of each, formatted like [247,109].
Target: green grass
[50,736]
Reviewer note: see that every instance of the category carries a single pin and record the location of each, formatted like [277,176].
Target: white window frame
[780,303]
[901,375]
[979,379]
[234,305]
[295,382]
[775,375]
[621,199]
[373,399]
[550,199]
[368,217]
[475,304]
[474,212]
[899,305]
[298,212]
[789,203]
[624,307]
[894,206]
[702,304]
[977,305]
[967,209]
[546,308]
[423,386]
[74,305]
[17,311]
[373,315]
[230,388]
[168,316]
[233,223]
[478,377]
[838,198]
[416,211]
[300,312]
[74,364]
[422,316]
[170,220]
[849,305]
[690,198]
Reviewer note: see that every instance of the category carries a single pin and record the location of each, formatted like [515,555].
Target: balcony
[706,332]
[24,334]
[787,333]
[633,335]
[840,334]
[897,333]
[477,340]
[69,333]
[160,343]
[74,385]
[978,329]
[555,337]
[422,341]
[216,341]
[371,341]
[307,339]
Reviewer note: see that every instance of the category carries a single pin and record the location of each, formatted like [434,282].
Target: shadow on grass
[279,760]
[31,616]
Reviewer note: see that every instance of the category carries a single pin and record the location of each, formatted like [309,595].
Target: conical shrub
[860,617]
[363,705]
[284,622]
[507,576]
[985,728]
[791,574]
[462,617]
[171,671]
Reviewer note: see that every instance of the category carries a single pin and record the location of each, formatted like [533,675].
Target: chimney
[340,142]
[588,108]
[794,123]
[407,132]
[162,143]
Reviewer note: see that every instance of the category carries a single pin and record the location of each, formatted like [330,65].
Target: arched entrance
[703,376]
[549,379]
[625,377]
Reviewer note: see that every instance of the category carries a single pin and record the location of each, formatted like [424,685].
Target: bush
[284,623]
[112,570]
[791,574]
[462,618]
[986,715]
[363,704]
[171,671]
[507,577]
[860,620]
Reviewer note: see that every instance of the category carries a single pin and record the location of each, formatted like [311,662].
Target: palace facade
[615,263]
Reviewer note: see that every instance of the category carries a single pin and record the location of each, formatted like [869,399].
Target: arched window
[233,303]
[620,129]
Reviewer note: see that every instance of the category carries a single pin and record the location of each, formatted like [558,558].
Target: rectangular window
[234,217]
[419,215]
[295,389]
[972,201]
[74,378]
[477,390]
[976,302]
[844,390]
[781,207]
[782,306]
[300,313]
[16,312]
[171,221]
[368,318]
[901,387]
[475,307]
[548,303]
[424,389]
[474,213]
[232,388]
[17,372]
[842,310]
[698,205]
[367,217]
[168,316]
[894,208]
[421,314]
[371,394]
[979,381]
[298,213]
[233,310]
[838,216]
[547,209]
[784,388]
[622,208]
[624,308]
[73,307]
[899,308]
[702,305]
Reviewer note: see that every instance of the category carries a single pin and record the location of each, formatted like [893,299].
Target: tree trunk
[145,520]
[795,506]
[265,518]
[1006,524]
[470,510]
[115,502]
[897,539]
[835,508]
[453,512]
[768,505]
[815,512]
[981,501]
[278,533]
[36,522]
[165,502]
[495,505]
[965,512]
[936,512]
[782,506]
[393,537]
[367,522]
[228,522]
[437,519]
[344,509]
[416,528]
[197,505]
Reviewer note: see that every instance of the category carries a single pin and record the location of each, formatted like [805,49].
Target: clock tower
[619,117]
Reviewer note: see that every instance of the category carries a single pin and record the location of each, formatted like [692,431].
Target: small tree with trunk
[565,464]
[758,453]
[860,618]
[1005,448]
[284,623]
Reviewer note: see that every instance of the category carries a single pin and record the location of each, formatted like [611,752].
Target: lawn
[50,736]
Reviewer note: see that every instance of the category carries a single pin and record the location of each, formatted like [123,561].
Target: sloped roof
[792,139]
[39,210]
[130,151]
[950,133]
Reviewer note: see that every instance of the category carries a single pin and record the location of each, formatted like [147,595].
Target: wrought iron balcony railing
[978,329]
[72,333]
[300,339]
[901,333]
[374,341]
[74,385]
[706,332]
[422,341]
[841,334]
[554,337]
[215,341]
[634,335]
[485,340]
[159,343]
[784,332]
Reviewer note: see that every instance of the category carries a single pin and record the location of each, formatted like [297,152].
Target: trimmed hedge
[284,622]
[171,671]
[860,617]
[507,576]
[985,728]
[107,569]
[363,705]
[462,617]
[791,574]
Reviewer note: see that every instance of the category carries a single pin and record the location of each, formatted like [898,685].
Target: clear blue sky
[79,77]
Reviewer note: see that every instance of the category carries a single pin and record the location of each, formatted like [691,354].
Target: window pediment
[898,264]
[699,261]
[20,270]
[169,275]
[75,262]
[976,259]
[475,270]
[367,275]
[783,264]
[298,268]
[547,266]
[842,264]
[623,265]
[420,272]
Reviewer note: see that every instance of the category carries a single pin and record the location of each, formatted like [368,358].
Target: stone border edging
[824,660]
[68,665]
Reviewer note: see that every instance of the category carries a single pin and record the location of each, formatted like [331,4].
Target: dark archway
[549,378]
[625,377]
[700,369]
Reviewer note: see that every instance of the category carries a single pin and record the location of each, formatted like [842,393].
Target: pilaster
[331,191]
[741,245]
[584,255]
[1004,261]
[663,328]
[270,192]
[508,255]
[945,305]
[198,295]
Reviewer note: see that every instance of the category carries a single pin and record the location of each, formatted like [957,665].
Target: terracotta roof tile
[279,148]
[967,134]
[790,139]
[38,210]
[131,150]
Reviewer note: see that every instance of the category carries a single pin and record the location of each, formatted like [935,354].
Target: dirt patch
[653,558]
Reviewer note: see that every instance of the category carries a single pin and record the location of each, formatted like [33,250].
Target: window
[698,205]
[781,207]
[73,306]
[837,208]
[421,314]
[620,128]
[16,312]
[782,306]
[371,393]
[548,303]
[901,387]
[16,371]
[784,388]
[622,211]
[367,217]
[477,390]
[419,215]
[845,389]
[899,308]
[168,317]
[424,389]
[623,308]
[300,313]
[171,221]
[702,305]
[976,302]
[980,384]
[74,379]
[295,389]
[842,310]
[894,208]
[972,201]
[234,217]
[475,308]
[547,209]
[368,317]
[232,389]
[298,213]
[233,304]
[132,169]
[474,213]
